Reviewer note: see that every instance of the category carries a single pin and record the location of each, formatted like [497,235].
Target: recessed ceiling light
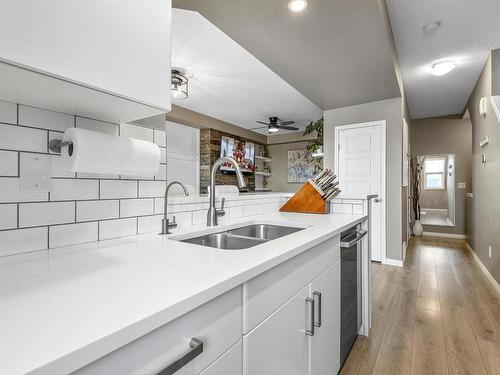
[443,67]
[431,27]
[297,5]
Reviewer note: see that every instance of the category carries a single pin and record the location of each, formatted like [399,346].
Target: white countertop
[63,308]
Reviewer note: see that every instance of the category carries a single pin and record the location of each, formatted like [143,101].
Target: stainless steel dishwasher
[350,266]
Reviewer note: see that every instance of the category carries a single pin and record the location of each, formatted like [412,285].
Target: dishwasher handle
[360,235]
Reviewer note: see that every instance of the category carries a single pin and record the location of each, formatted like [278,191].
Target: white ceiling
[228,82]
[470,29]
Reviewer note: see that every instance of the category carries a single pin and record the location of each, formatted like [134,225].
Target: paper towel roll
[96,152]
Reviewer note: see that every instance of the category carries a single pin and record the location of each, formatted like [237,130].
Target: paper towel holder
[55,145]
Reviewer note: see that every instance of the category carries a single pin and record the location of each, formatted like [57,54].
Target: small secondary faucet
[213,212]
[165,223]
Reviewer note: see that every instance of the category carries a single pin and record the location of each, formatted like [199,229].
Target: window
[434,173]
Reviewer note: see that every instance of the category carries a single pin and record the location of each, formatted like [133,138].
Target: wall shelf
[265,159]
[266,174]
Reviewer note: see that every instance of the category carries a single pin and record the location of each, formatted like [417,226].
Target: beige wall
[279,153]
[392,112]
[484,208]
[446,135]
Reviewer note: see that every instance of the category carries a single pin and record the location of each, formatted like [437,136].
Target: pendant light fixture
[179,84]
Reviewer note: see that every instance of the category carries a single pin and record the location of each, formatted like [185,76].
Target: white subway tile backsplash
[42,118]
[8,112]
[8,163]
[249,210]
[236,212]
[160,138]
[117,228]
[72,234]
[138,132]
[47,213]
[149,224]
[151,188]
[96,125]
[357,209]
[19,138]
[8,216]
[136,207]
[97,210]
[342,208]
[183,219]
[159,205]
[73,189]
[23,240]
[98,176]
[199,217]
[162,173]
[163,155]
[110,189]
[59,168]
[10,192]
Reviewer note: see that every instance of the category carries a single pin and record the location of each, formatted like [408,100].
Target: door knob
[377,200]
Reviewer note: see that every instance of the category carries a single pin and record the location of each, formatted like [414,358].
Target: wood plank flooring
[436,315]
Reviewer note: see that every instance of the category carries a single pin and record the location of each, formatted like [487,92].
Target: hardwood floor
[436,315]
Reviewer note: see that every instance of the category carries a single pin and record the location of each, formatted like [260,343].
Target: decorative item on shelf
[267,169]
[315,146]
[416,174]
[262,151]
[315,195]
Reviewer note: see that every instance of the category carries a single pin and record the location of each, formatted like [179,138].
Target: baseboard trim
[392,262]
[445,235]
[483,268]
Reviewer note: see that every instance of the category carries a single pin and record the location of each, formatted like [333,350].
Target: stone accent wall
[210,152]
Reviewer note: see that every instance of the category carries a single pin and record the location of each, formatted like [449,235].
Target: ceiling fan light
[443,67]
[273,129]
[297,5]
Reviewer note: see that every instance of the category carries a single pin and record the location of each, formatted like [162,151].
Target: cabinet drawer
[217,324]
[267,292]
[229,364]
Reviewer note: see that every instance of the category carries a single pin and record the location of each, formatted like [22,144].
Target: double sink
[243,237]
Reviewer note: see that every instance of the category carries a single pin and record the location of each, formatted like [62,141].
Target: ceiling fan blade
[260,122]
[260,127]
[288,127]
[284,123]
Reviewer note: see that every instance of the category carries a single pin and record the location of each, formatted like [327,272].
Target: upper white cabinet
[108,59]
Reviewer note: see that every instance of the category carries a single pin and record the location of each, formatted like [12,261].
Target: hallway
[436,315]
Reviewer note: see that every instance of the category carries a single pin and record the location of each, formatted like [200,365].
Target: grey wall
[392,111]
[444,135]
[279,154]
[484,208]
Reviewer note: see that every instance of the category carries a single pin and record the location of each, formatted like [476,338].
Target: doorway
[360,162]
[437,197]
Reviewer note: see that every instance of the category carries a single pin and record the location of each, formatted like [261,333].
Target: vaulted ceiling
[336,52]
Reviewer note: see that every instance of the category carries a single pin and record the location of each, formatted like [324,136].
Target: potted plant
[315,145]
[416,174]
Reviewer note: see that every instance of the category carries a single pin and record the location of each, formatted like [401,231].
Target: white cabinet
[325,343]
[217,324]
[107,59]
[229,364]
[279,345]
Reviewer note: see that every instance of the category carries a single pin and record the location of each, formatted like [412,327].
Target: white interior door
[360,169]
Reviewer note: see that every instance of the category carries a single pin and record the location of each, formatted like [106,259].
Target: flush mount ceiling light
[443,67]
[297,5]
[179,84]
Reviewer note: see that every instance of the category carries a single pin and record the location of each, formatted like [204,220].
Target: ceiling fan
[276,124]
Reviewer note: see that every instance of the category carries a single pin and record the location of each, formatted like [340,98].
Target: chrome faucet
[213,213]
[165,223]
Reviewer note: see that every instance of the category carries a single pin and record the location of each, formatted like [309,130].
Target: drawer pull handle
[318,294]
[310,302]
[196,349]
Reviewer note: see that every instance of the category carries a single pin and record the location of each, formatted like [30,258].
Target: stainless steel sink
[264,231]
[225,241]
[243,237]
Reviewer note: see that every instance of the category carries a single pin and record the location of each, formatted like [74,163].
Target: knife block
[307,200]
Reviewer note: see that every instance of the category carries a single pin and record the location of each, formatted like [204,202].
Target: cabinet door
[325,344]
[229,364]
[279,345]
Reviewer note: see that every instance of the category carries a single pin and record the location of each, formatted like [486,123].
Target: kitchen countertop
[64,308]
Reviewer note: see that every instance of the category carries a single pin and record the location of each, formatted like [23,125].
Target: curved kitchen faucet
[213,213]
[165,223]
